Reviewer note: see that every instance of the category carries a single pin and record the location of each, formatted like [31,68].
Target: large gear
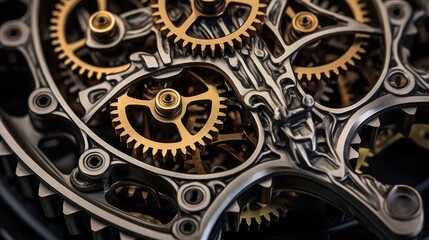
[348,58]
[170,115]
[67,50]
[179,34]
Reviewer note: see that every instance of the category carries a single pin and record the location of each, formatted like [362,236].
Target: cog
[68,50]
[180,34]
[176,108]
[346,59]
[256,214]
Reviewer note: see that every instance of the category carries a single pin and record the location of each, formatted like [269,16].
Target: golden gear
[179,35]
[256,214]
[168,107]
[67,50]
[345,60]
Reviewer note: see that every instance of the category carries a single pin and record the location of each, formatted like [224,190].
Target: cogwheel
[67,50]
[168,108]
[204,9]
[256,214]
[348,58]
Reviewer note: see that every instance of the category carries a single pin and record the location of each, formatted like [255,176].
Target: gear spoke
[77,45]
[187,23]
[130,101]
[206,96]
[184,133]
[102,5]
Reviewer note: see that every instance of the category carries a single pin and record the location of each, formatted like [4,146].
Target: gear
[168,109]
[256,214]
[67,50]
[211,11]
[348,58]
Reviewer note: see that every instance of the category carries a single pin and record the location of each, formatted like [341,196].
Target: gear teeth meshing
[346,60]
[211,47]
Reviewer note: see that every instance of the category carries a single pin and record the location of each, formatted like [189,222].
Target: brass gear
[257,214]
[348,58]
[189,141]
[67,50]
[180,36]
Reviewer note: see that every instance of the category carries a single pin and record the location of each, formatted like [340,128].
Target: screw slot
[43,101]
[398,80]
[187,227]
[194,196]
[94,161]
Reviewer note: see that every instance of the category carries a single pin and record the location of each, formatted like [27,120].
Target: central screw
[305,22]
[103,26]
[168,102]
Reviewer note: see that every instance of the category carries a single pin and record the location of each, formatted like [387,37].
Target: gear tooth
[74,67]
[164,153]
[62,56]
[222,48]
[209,139]
[57,49]
[222,116]
[251,30]
[174,153]
[81,71]
[203,50]
[145,150]
[171,35]
[56,42]
[155,152]
[327,74]
[99,76]
[238,42]
[192,148]
[212,49]
[200,143]
[318,76]
[90,74]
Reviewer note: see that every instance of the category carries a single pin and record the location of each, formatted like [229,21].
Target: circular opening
[187,227]
[398,80]
[396,11]
[402,205]
[43,101]
[168,98]
[94,161]
[194,196]
[102,21]
[14,32]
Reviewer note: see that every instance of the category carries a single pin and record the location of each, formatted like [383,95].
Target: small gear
[168,109]
[257,214]
[208,10]
[67,50]
[348,58]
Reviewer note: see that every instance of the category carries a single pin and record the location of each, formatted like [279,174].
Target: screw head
[398,80]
